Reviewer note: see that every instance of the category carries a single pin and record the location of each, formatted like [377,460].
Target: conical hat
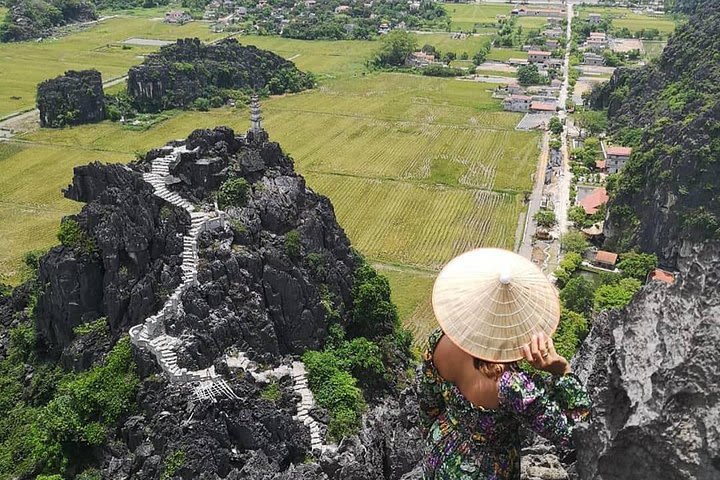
[490,301]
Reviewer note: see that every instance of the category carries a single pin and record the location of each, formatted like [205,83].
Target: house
[616,157]
[552,33]
[241,11]
[177,16]
[601,165]
[383,28]
[538,56]
[661,276]
[604,259]
[414,6]
[419,59]
[532,12]
[516,62]
[538,107]
[590,58]
[592,202]
[342,9]
[517,103]
[597,41]
[510,89]
[310,3]
[594,18]
[554,21]
[552,44]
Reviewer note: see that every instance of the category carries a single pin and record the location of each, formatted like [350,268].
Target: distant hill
[669,111]
[189,71]
[29,19]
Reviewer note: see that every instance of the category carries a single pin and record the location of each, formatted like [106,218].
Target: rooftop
[608,258]
[662,275]
[619,151]
[542,106]
[594,200]
[539,52]
[519,97]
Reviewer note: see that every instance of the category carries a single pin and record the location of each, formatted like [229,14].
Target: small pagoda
[255,118]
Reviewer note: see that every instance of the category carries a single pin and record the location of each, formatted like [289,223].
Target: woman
[494,308]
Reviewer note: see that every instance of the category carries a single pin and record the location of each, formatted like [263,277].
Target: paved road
[563,191]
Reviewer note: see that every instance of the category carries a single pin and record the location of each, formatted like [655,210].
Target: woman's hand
[541,354]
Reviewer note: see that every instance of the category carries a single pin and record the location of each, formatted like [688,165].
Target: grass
[496,73]
[29,63]
[532,23]
[445,43]
[505,54]
[653,49]
[31,210]
[624,17]
[465,17]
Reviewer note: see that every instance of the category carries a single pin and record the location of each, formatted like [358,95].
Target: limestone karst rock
[653,371]
[73,98]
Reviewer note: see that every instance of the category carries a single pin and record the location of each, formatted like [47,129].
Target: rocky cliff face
[669,112]
[653,371]
[71,99]
[187,70]
[254,294]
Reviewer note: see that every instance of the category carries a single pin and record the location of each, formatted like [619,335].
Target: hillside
[29,19]
[221,307]
[669,111]
[188,70]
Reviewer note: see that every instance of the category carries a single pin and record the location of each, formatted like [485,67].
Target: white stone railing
[151,335]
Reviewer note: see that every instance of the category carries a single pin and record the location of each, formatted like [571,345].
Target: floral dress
[468,442]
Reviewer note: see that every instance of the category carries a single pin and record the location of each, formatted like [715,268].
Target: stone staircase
[151,335]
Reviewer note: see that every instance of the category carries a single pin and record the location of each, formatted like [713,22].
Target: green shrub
[293,247]
[98,327]
[173,463]
[545,218]
[571,331]
[202,104]
[616,295]
[271,392]
[571,262]
[637,265]
[72,235]
[316,263]
[91,474]
[32,258]
[373,314]
[233,192]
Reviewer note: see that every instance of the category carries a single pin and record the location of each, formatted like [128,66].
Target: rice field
[505,54]
[465,17]
[625,17]
[411,290]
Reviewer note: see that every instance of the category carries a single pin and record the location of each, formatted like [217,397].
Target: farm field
[30,211]
[95,47]
[505,54]
[411,292]
[532,23]
[624,17]
[466,16]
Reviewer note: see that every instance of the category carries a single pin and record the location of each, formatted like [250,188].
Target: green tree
[615,295]
[373,314]
[577,295]
[571,330]
[529,75]
[593,121]
[573,241]
[555,126]
[395,48]
[233,192]
[545,218]
[480,56]
[637,265]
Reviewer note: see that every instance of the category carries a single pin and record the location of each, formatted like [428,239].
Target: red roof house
[542,107]
[605,259]
[594,200]
[661,275]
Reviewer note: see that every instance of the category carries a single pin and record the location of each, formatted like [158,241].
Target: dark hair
[489,369]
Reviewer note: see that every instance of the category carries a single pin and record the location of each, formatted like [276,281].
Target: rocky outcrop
[188,70]
[669,112]
[134,264]
[71,99]
[653,372]
[29,19]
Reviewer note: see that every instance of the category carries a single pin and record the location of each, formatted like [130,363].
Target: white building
[616,157]
[517,103]
[538,56]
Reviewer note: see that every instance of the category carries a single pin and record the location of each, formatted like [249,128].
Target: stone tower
[255,118]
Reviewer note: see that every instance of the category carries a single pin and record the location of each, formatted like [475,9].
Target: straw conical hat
[490,301]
